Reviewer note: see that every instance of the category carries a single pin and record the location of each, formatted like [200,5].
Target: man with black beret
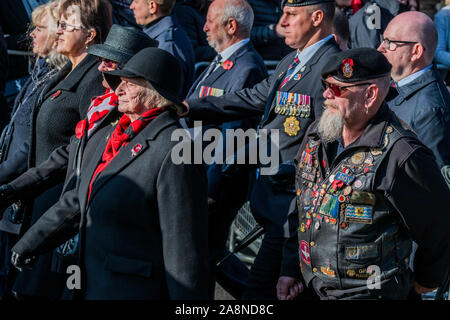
[289,101]
[366,188]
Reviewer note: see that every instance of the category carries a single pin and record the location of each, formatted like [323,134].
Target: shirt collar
[308,52]
[412,77]
[228,52]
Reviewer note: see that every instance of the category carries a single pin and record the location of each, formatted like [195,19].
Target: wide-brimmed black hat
[121,44]
[158,67]
[358,64]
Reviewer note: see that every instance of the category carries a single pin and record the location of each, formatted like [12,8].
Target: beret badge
[347,68]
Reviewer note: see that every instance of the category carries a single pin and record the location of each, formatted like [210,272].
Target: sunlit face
[42,42]
[400,57]
[133,99]
[141,11]
[73,40]
[214,29]
[350,103]
[297,24]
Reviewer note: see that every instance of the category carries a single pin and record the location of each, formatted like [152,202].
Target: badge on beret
[347,68]
[291,126]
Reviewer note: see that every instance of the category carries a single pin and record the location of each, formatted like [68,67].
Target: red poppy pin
[227,64]
[80,128]
[57,93]
[337,184]
[347,68]
[136,149]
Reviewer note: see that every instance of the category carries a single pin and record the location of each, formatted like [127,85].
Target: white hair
[240,11]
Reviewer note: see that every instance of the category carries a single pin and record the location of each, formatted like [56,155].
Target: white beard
[331,124]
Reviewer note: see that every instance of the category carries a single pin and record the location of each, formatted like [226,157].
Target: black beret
[302,3]
[357,65]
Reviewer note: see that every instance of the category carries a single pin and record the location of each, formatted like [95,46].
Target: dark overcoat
[62,103]
[143,230]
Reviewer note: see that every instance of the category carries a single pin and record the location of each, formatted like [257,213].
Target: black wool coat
[62,103]
[143,232]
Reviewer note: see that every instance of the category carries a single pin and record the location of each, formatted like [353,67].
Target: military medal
[358,158]
[375,151]
[347,190]
[358,184]
[389,129]
[386,140]
[291,126]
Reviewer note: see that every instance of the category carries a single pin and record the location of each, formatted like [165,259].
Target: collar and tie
[217,60]
[290,70]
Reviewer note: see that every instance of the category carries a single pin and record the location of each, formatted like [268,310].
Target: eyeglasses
[391,45]
[110,64]
[337,90]
[68,27]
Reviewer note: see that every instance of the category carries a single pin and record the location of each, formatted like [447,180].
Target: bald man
[420,97]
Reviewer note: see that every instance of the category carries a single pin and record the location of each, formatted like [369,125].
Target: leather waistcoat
[348,232]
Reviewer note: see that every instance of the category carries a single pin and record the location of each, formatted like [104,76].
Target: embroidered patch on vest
[360,252]
[330,206]
[304,252]
[358,214]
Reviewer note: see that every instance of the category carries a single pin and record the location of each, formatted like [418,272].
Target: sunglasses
[110,64]
[337,90]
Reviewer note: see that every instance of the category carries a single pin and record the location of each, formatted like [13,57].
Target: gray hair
[158,99]
[240,11]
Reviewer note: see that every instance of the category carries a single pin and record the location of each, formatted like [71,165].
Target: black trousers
[264,274]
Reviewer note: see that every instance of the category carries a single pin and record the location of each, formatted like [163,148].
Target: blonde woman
[14,142]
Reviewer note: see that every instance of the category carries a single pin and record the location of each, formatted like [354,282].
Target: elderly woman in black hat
[120,45]
[142,230]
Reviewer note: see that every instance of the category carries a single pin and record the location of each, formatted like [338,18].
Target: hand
[184,114]
[288,288]
[7,197]
[211,201]
[21,262]
[421,290]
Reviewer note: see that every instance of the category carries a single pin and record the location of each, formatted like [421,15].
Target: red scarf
[99,108]
[124,132]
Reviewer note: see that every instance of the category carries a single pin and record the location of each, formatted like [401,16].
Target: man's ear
[231,27]
[371,96]
[152,6]
[417,52]
[317,18]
